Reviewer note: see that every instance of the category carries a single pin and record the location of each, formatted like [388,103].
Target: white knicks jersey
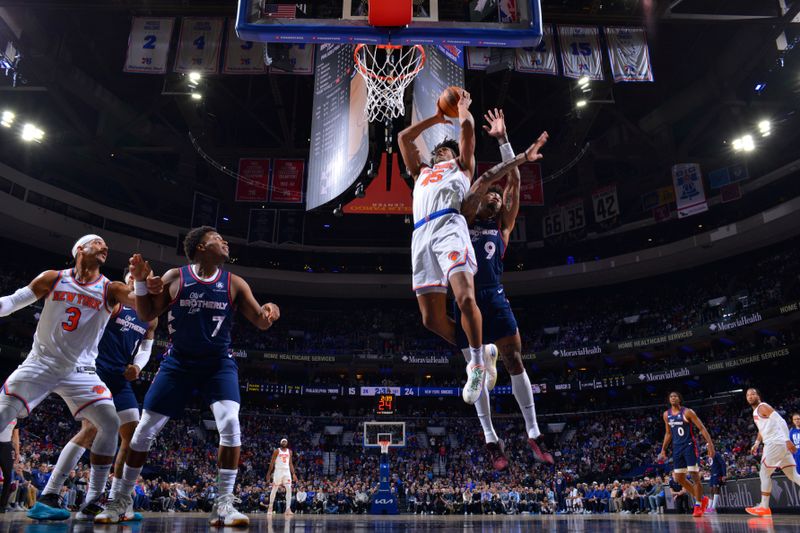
[282,462]
[73,320]
[770,428]
[442,186]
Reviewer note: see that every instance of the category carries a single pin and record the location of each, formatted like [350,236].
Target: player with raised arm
[778,450]
[123,352]
[491,213]
[441,249]
[680,422]
[200,299]
[281,470]
[77,305]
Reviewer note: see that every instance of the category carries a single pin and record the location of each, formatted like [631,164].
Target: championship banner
[689,192]
[242,57]
[205,210]
[199,45]
[605,203]
[580,52]
[387,193]
[148,45]
[253,182]
[539,60]
[629,54]
[287,181]
[261,226]
[478,58]
[439,73]
[531,189]
[339,128]
[301,56]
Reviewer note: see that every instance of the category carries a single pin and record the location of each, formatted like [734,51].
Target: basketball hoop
[384,446]
[387,70]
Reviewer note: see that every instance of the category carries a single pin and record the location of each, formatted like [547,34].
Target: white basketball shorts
[440,248]
[775,455]
[282,478]
[34,379]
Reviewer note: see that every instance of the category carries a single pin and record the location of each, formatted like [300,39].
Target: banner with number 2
[148,45]
[199,46]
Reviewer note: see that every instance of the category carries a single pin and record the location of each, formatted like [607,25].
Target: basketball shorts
[35,379]
[121,388]
[177,380]
[715,481]
[439,249]
[281,478]
[775,455]
[685,459]
[498,319]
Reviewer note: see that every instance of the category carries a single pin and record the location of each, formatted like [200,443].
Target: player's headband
[285,440]
[83,240]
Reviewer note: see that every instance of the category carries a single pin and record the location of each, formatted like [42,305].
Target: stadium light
[195,76]
[197,96]
[581,103]
[583,82]
[7,119]
[745,143]
[31,133]
[765,127]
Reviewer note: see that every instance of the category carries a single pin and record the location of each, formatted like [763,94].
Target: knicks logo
[453,256]
[98,389]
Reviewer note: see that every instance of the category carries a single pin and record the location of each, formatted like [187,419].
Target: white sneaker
[490,353]
[476,377]
[115,510]
[225,514]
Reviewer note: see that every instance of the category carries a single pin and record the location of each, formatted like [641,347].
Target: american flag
[279,11]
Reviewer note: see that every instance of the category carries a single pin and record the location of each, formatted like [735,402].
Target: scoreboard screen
[385,404]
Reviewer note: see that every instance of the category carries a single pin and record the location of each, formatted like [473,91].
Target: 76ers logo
[453,256]
[98,389]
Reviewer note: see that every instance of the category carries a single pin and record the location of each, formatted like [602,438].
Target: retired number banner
[628,54]
[605,203]
[253,182]
[199,46]
[580,52]
[148,45]
[242,57]
[539,60]
[301,56]
[689,192]
[287,181]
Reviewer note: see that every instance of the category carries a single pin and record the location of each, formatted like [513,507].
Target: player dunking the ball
[491,212]
[200,300]
[778,450]
[441,249]
[679,422]
[281,469]
[77,305]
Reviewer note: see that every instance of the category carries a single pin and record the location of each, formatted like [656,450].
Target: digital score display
[385,404]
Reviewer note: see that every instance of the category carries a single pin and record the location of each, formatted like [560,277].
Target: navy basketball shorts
[177,380]
[685,459]
[121,390]
[498,319]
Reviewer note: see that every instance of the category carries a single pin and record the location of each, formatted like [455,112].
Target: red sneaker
[704,503]
[499,460]
[759,511]
[698,511]
[538,454]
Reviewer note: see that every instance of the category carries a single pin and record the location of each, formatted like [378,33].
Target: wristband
[140,288]
[506,151]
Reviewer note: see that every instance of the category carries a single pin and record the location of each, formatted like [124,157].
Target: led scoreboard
[385,405]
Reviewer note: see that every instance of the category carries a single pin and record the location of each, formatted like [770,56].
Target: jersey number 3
[73,317]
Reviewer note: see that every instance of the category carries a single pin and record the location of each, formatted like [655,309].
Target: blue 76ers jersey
[682,433]
[201,316]
[124,332]
[794,436]
[487,240]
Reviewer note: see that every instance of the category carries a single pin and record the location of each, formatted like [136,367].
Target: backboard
[373,431]
[486,23]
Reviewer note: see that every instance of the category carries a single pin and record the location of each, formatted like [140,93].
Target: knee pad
[226,415]
[104,417]
[127,416]
[150,425]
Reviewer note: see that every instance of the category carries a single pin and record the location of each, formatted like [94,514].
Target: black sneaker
[89,511]
[499,460]
[51,500]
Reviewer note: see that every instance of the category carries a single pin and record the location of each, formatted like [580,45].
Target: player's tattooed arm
[692,417]
[261,316]
[408,148]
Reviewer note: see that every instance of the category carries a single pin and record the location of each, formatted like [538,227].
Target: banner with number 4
[148,45]
[199,46]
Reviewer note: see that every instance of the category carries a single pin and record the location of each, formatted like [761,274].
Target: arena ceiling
[123,139]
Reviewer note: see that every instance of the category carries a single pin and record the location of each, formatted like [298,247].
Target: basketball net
[384,446]
[387,70]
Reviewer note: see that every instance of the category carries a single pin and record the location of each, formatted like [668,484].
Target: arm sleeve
[21,298]
[506,151]
[143,354]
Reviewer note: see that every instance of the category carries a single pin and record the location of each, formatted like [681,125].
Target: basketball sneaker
[131,515]
[498,456]
[759,511]
[490,353]
[476,378]
[698,511]
[538,454]
[704,503]
[225,514]
[89,511]
[115,510]
[48,507]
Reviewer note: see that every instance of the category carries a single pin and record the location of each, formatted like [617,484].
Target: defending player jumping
[78,303]
[281,470]
[778,450]
[491,213]
[200,299]
[680,422]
